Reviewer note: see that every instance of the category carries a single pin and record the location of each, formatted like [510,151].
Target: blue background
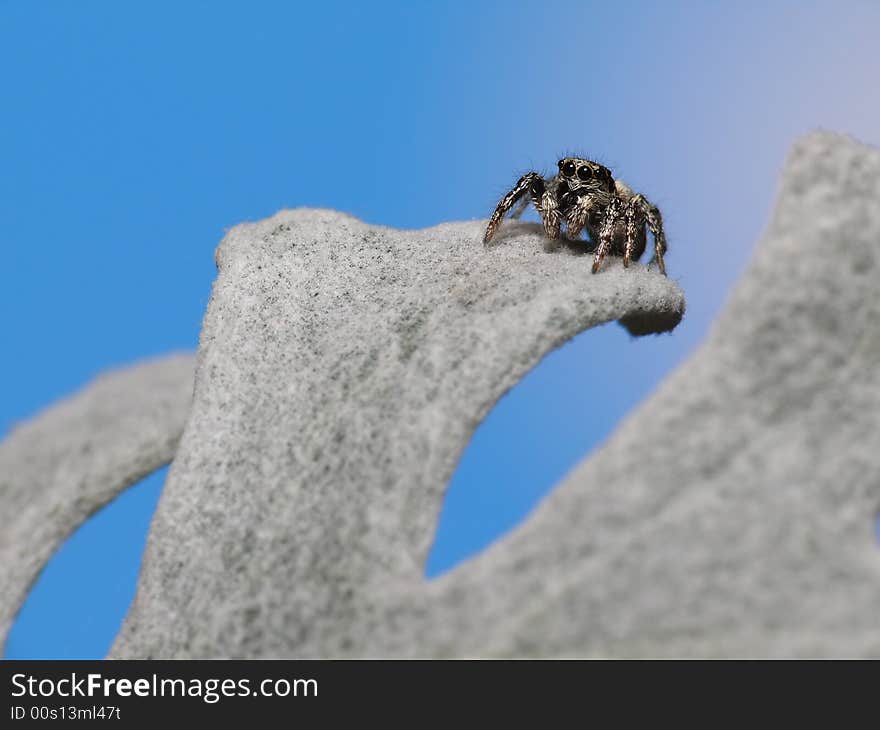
[132,135]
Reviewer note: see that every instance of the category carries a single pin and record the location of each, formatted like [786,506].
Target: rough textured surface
[67,462]
[744,526]
[342,370]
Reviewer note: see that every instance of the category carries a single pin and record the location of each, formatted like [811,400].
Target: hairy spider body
[584,196]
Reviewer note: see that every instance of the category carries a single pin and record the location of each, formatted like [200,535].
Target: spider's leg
[655,223]
[520,209]
[509,200]
[632,220]
[606,231]
[652,217]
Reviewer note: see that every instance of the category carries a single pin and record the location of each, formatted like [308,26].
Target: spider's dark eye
[568,169]
[584,172]
[537,188]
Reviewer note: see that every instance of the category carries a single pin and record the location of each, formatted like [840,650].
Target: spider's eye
[537,188]
[584,172]
[568,169]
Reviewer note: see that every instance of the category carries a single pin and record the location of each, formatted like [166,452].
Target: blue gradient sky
[132,135]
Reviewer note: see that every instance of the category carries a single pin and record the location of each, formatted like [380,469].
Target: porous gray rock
[60,467]
[342,369]
[732,514]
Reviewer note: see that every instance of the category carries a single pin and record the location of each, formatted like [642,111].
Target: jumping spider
[584,195]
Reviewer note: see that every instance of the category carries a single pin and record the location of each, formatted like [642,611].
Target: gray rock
[60,467]
[732,515]
[342,370]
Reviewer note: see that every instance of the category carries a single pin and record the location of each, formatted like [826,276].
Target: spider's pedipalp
[577,213]
[548,208]
[606,232]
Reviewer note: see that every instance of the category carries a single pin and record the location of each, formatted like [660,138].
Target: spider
[584,195]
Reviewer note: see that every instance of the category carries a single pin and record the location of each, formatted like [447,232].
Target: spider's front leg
[639,208]
[531,183]
[613,213]
[520,209]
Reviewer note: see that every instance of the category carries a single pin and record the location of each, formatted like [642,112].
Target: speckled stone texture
[732,514]
[342,370]
[67,462]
